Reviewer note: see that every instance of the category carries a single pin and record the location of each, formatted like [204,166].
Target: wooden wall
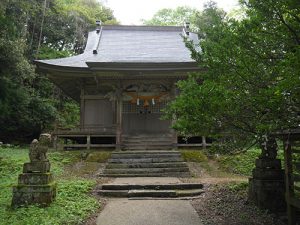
[98,112]
[135,123]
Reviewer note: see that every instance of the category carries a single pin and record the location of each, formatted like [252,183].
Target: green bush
[194,156]
[242,164]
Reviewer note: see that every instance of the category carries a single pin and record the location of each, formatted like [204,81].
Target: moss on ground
[72,205]
[194,156]
[99,157]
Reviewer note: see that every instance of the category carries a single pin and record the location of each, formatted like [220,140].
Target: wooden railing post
[204,142]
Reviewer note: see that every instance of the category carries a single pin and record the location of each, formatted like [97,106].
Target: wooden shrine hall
[123,80]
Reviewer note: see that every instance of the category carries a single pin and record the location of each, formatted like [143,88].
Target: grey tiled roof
[131,44]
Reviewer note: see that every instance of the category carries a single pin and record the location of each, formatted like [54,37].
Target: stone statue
[269,148]
[38,149]
[36,184]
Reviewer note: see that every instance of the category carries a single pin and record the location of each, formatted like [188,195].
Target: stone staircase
[147,142]
[179,190]
[164,163]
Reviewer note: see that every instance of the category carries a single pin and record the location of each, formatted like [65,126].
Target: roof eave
[143,66]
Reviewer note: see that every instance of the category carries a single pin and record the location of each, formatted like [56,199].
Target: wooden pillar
[204,142]
[289,184]
[82,108]
[119,112]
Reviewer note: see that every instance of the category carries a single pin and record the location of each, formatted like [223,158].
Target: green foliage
[250,84]
[173,17]
[29,103]
[72,205]
[236,187]
[69,116]
[194,156]
[242,163]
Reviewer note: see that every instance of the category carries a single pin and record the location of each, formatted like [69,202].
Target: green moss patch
[99,157]
[194,156]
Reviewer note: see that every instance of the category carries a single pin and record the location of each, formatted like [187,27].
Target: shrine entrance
[138,119]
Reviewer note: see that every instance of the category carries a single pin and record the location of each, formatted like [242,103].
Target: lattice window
[129,107]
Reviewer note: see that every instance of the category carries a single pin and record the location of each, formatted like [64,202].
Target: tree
[173,17]
[250,87]
[30,103]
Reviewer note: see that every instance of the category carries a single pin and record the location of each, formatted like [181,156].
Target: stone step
[145,160]
[138,155]
[147,152]
[174,174]
[138,148]
[145,170]
[151,193]
[177,186]
[145,165]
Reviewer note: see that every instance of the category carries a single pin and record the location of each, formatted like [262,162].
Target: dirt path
[225,198]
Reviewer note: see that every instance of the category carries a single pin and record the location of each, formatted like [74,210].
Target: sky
[130,12]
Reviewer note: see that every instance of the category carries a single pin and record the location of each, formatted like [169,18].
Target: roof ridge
[142,27]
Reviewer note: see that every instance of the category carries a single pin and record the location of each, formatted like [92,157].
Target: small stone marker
[36,184]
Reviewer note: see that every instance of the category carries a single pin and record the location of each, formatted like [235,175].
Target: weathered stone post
[35,184]
[267,188]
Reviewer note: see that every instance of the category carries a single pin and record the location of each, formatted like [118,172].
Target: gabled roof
[125,46]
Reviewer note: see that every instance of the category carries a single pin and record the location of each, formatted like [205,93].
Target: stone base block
[35,178]
[267,194]
[268,163]
[268,174]
[33,194]
[36,167]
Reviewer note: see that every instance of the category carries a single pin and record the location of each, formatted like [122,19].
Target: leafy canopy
[250,83]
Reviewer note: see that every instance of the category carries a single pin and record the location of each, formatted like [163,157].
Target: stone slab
[148,212]
[271,163]
[175,186]
[35,178]
[36,167]
[37,194]
[146,180]
[35,188]
[268,174]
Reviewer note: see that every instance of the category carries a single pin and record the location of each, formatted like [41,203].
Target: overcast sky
[130,12]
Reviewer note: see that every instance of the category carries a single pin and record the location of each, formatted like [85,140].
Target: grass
[73,203]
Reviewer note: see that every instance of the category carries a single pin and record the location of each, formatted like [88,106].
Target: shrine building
[122,81]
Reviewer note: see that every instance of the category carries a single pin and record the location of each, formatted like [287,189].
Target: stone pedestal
[266,188]
[35,185]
